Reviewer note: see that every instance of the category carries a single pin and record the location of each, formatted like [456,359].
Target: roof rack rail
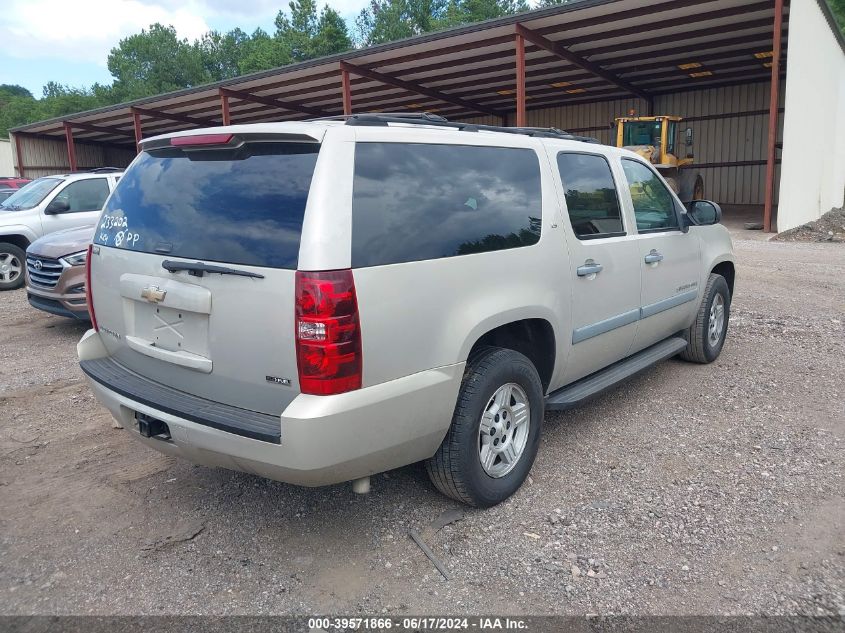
[427,118]
[104,170]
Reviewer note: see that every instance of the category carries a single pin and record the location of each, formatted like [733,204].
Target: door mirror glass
[704,213]
[57,206]
[688,135]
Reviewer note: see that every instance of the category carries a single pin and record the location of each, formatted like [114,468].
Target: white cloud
[86,30]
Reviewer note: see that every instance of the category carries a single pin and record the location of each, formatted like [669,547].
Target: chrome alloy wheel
[10,267]
[504,428]
[716,324]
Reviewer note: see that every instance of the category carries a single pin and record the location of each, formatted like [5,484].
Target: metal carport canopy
[584,51]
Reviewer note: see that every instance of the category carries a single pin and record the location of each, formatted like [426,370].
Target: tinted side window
[85,195]
[419,201]
[590,195]
[654,207]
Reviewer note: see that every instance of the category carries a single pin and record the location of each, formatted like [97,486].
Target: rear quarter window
[415,201]
[239,206]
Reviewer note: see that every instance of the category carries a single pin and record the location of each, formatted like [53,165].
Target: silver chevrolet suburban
[317,302]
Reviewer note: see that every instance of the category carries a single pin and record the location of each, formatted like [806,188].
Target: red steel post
[19,153]
[136,121]
[71,150]
[224,106]
[520,81]
[347,92]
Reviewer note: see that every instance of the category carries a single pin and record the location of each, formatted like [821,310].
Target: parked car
[5,193]
[318,302]
[44,206]
[11,182]
[55,272]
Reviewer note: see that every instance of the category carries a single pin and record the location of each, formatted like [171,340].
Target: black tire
[456,468]
[699,348]
[10,253]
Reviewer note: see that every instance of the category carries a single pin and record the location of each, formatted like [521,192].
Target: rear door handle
[653,257]
[589,268]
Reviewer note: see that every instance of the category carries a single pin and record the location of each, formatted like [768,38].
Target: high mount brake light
[201,139]
[89,296]
[328,332]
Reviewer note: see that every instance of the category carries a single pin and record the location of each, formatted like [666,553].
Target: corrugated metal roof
[651,46]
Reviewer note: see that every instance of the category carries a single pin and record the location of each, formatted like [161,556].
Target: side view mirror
[57,206]
[703,213]
[688,136]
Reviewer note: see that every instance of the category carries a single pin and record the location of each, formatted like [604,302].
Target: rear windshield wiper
[198,269]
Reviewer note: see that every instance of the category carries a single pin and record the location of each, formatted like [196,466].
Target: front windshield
[30,195]
[641,133]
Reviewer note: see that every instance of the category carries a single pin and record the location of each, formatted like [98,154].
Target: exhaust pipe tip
[361,486]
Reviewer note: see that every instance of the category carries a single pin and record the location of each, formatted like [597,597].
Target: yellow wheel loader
[655,138]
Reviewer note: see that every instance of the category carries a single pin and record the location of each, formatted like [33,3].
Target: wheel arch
[533,337]
[18,239]
[727,270]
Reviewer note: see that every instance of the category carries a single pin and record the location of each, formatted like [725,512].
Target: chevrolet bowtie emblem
[153,294]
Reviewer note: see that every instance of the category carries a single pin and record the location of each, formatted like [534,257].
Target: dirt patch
[828,228]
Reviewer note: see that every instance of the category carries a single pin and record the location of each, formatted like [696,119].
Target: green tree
[59,100]
[261,52]
[222,53]
[155,61]
[390,20]
[17,108]
[305,35]
[838,9]
[469,11]
[13,90]
[332,34]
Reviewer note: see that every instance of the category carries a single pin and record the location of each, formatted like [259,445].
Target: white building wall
[813,169]
[7,163]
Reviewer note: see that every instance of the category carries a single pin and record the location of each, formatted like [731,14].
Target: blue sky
[69,41]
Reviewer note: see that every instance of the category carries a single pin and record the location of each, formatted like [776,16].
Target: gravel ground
[690,490]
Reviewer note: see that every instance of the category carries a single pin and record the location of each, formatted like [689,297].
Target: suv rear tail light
[328,332]
[89,297]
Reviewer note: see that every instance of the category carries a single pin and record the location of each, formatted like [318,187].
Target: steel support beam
[224,108]
[71,150]
[565,54]
[774,102]
[413,87]
[99,129]
[19,155]
[347,92]
[520,81]
[136,124]
[173,116]
[272,101]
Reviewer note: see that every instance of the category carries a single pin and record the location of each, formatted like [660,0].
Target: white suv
[46,205]
[317,302]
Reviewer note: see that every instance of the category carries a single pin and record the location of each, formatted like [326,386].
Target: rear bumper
[322,439]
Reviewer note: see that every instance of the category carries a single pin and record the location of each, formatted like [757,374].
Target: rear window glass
[243,206]
[414,202]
